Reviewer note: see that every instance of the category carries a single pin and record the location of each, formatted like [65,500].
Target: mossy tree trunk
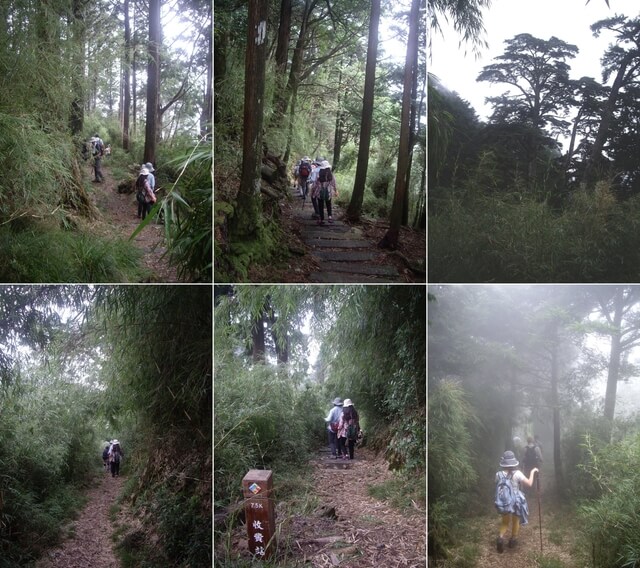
[153,81]
[355,205]
[390,239]
[246,220]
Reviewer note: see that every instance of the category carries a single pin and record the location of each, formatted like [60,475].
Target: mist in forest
[509,363]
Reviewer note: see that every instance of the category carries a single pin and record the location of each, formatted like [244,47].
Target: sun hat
[508,459]
[115,442]
[144,171]
[149,166]
[337,401]
[325,164]
[347,402]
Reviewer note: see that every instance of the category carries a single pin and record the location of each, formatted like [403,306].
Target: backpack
[304,170]
[105,453]
[97,148]
[324,194]
[325,175]
[352,432]
[333,426]
[505,499]
[115,454]
[530,457]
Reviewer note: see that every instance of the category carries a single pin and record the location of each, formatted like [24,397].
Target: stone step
[335,243]
[346,278]
[344,256]
[368,269]
[329,234]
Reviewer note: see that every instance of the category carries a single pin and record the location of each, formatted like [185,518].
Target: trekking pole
[539,510]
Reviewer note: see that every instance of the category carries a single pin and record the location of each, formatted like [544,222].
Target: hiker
[315,165]
[97,151]
[510,500]
[333,420]
[303,171]
[324,189]
[151,178]
[532,456]
[348,429]
[105,456]
[115,457]
[144,194]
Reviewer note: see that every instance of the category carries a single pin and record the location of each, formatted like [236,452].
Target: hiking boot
[330,220]
[512,542]
[500,544]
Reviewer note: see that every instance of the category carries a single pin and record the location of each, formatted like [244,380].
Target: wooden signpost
[257,486]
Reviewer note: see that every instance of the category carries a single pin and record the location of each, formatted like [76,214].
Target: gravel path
[90,544]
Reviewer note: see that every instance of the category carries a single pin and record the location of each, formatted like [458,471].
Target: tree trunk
[412,140]
[207,107]
[555,403]
[284,36]
[134,76]
[153,82]
[126,110]
[603,128]
[390,240]
[246,220]
[257,335]
[76,119]
[355,205]
[339,132]
[614,356]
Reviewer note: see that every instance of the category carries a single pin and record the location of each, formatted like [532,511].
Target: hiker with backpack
[333,422]
[315,168]
[532,456]
[510,501]
[303,172]
[115,457]
[145,196]
[324,189]
[348,429]
[105,456]
[97,151]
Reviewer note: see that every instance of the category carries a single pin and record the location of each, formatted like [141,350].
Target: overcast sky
[568,20]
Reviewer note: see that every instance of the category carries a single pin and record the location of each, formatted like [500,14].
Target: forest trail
[119,212]
[556,542]
[349,528]
[342,252]
[90,541]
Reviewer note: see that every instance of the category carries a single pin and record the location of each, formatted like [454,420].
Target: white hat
[149,166]
[115,442]
[325,164]
[144,171]
[347,402]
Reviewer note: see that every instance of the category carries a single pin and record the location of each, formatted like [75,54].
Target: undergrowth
[40,253]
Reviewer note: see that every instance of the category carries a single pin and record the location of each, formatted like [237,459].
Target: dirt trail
[348,528]
[555,544]
[119,213]
[90,543]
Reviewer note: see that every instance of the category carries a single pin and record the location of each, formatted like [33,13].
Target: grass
[401,493]
[47,254]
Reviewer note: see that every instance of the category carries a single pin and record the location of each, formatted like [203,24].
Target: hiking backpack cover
[505,498]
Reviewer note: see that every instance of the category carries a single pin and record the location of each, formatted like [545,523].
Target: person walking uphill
[348,429]
[324,189]
[510,502]
[145,195]
[97,151]
[115,457]
[333,421]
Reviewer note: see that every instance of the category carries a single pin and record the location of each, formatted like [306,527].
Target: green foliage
[609,523]
[404,494]
[160,394]
[41,253]
[450,472]
[515,238]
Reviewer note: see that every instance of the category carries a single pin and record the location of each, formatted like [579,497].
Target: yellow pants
[515,525]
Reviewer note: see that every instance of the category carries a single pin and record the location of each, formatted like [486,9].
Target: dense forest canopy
[322,82]
[138,76]
[83,365]
[552,169]
[508,362]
